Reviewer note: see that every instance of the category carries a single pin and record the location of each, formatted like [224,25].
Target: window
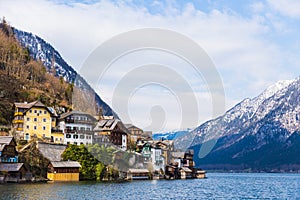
[27,136]
[40,112]
[44,135]
[44,128]
[82,128]
[35,111]
[88,129]
[44,120]
[56,139]
[68,142]
[35,119]
[75,136]
[60,139]
[28,119]
[34,127]
[68,136]
[81,136]
[45,112]
[30,111]
[81,142]
[27,127]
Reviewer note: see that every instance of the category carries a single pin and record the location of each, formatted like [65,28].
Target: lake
[216,186]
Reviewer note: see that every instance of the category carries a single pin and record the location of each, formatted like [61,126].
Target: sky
[253,44]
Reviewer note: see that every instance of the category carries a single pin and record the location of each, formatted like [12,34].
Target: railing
[56,131]
[79,131]
[73,121]
[18,121]
[18,113]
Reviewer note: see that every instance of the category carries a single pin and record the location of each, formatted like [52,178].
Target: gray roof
[109,125]
[27,106]
[131,125]
[5,139]
[186,169]
[138,170]
[51,151]
[76,112]
[178,154]
[65,164]
[10,167]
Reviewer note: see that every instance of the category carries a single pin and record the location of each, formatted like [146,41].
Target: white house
[77,127]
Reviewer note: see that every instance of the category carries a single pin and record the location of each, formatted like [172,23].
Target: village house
[63,171]
[111,131]
[137,133]
[77,127]
[33,120]
[167,146]
[8,152]
[10,169]
[12,172]
[183,166]
[153,156]
[138,174]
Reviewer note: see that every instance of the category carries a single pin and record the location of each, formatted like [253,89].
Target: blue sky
[253,44]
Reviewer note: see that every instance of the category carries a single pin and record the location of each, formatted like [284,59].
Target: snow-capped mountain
[53,61]
[246,135]
[171,135]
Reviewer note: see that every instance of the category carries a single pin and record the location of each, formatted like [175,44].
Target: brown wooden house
[63,171]
[8,152]
[111,131]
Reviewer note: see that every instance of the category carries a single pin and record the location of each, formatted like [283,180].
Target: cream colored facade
[33,120]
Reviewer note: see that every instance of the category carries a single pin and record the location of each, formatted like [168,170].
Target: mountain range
[259,134]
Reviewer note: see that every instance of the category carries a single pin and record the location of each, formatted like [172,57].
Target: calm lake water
[216,186]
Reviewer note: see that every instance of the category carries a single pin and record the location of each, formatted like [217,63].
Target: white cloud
[248,61]
[290,8]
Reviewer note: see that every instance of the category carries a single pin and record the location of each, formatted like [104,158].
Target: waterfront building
[10,169]
[33,120]
[167,147]
[12,172]
[111,131]
[8,152]
[153,156]
[137,133]
[158,161]
[63,171]
[138,174]
[77,127]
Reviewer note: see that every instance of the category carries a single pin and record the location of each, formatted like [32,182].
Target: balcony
[18,114]
[85,132]
[54,130]
[16,121]
[73,121]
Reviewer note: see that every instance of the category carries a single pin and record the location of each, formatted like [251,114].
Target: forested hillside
[24,79]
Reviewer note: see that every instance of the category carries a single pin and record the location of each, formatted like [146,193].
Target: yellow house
[57,136]
[33,120]
[63,171]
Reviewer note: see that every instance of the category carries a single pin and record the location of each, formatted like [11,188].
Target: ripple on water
[216,186]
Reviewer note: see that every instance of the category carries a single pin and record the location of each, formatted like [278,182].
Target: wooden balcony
[17,121]
[18,114]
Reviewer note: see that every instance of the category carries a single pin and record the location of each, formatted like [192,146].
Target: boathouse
[138,174]
[63,171]
[12,172]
